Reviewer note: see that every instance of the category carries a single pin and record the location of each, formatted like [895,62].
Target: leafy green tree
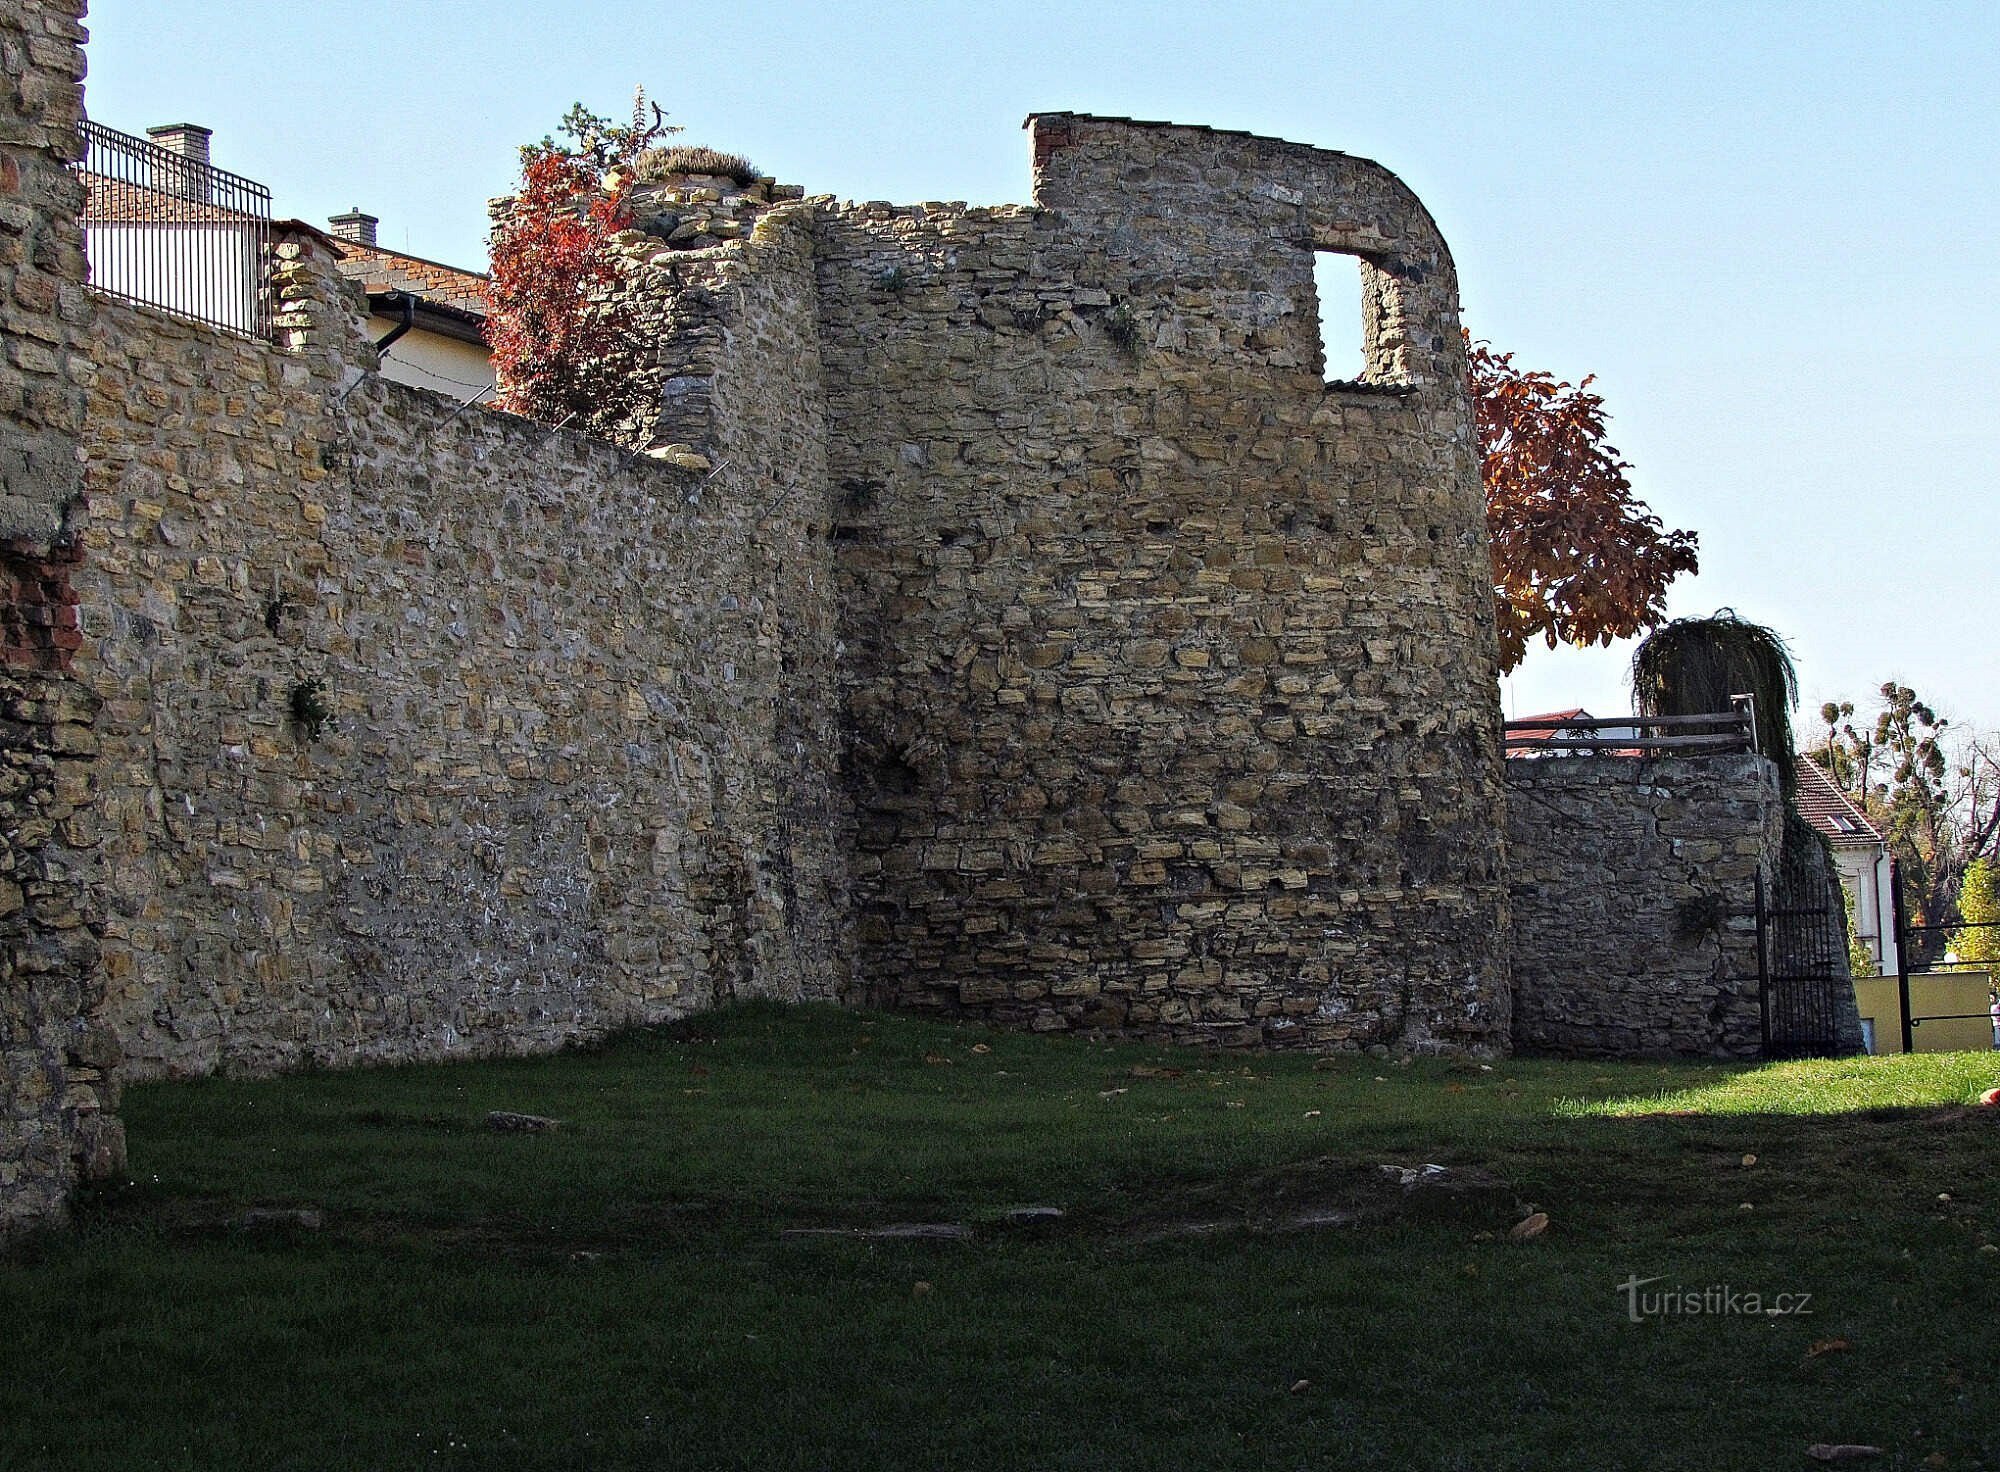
[598,141]
[1917,811]
[1846,754]
[1979,905]
[1860,959]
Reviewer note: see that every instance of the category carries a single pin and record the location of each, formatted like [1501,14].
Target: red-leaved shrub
[560,334]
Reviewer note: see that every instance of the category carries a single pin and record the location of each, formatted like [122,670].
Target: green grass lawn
[622,1292]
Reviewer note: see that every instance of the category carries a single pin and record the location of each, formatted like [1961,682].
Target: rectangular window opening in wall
[1337,290]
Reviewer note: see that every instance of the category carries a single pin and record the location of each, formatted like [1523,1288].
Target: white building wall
[1864,874]
[209,271]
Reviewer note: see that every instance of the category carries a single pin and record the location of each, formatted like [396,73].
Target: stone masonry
[1634,883]
[571,775]
[41,270]
[57,1056]
[1168,671]
[988,611]
[1004,611]
[1098,664]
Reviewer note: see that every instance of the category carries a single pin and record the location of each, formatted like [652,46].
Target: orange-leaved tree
[561,335]
[1577,557]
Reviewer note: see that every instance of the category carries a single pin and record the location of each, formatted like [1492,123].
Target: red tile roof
[1546,725]
[379,269]
[1828,809]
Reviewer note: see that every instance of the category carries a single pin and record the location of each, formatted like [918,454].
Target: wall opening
[1343,336]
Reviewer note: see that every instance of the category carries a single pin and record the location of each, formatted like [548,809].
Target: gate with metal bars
[1801,960]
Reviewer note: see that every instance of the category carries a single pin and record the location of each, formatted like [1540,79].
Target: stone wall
[1171,671]
[42,301]
[568,777]
[58,1058]
[992,607]
[57,1080]
[1634,892]
[1167,667]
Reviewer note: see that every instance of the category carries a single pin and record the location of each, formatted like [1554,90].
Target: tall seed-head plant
[1692,666]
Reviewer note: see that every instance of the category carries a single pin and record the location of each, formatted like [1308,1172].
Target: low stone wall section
[1634,902]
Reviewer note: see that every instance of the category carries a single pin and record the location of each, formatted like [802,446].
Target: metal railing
[1712,735]
[175,233]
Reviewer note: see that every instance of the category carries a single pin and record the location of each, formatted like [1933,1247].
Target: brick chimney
[188,141]
[356,225]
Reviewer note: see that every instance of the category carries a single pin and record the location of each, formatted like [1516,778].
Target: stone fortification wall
[560,785]
[726,384]
[1634,891]
[1171,671]
[42,303]
[994,605]
[58,1088]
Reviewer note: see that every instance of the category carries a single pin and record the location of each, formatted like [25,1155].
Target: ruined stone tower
[1167,667]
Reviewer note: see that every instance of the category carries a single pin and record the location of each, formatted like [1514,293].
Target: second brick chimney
[356,225]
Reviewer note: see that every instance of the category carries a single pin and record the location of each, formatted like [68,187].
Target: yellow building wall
[1933,995]
[429,360]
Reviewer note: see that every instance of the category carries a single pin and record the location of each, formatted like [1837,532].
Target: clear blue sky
[1772,230]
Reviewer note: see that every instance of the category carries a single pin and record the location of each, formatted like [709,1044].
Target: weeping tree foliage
[1692,666]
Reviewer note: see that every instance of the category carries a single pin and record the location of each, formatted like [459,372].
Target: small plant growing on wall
[859,495]
[311,712]
[895,280]
[1124,331]
[1700,917]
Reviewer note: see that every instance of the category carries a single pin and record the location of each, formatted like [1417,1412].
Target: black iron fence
[175,232]
[1802,969]
[1915,945]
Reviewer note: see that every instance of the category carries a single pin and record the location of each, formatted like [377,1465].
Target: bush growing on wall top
[561,336]
[656,164]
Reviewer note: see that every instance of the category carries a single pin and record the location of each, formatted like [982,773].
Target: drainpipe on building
[408,303]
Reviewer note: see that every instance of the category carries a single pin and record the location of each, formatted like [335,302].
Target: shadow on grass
[621,1292]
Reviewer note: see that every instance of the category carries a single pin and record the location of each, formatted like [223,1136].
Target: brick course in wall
[1634,893]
